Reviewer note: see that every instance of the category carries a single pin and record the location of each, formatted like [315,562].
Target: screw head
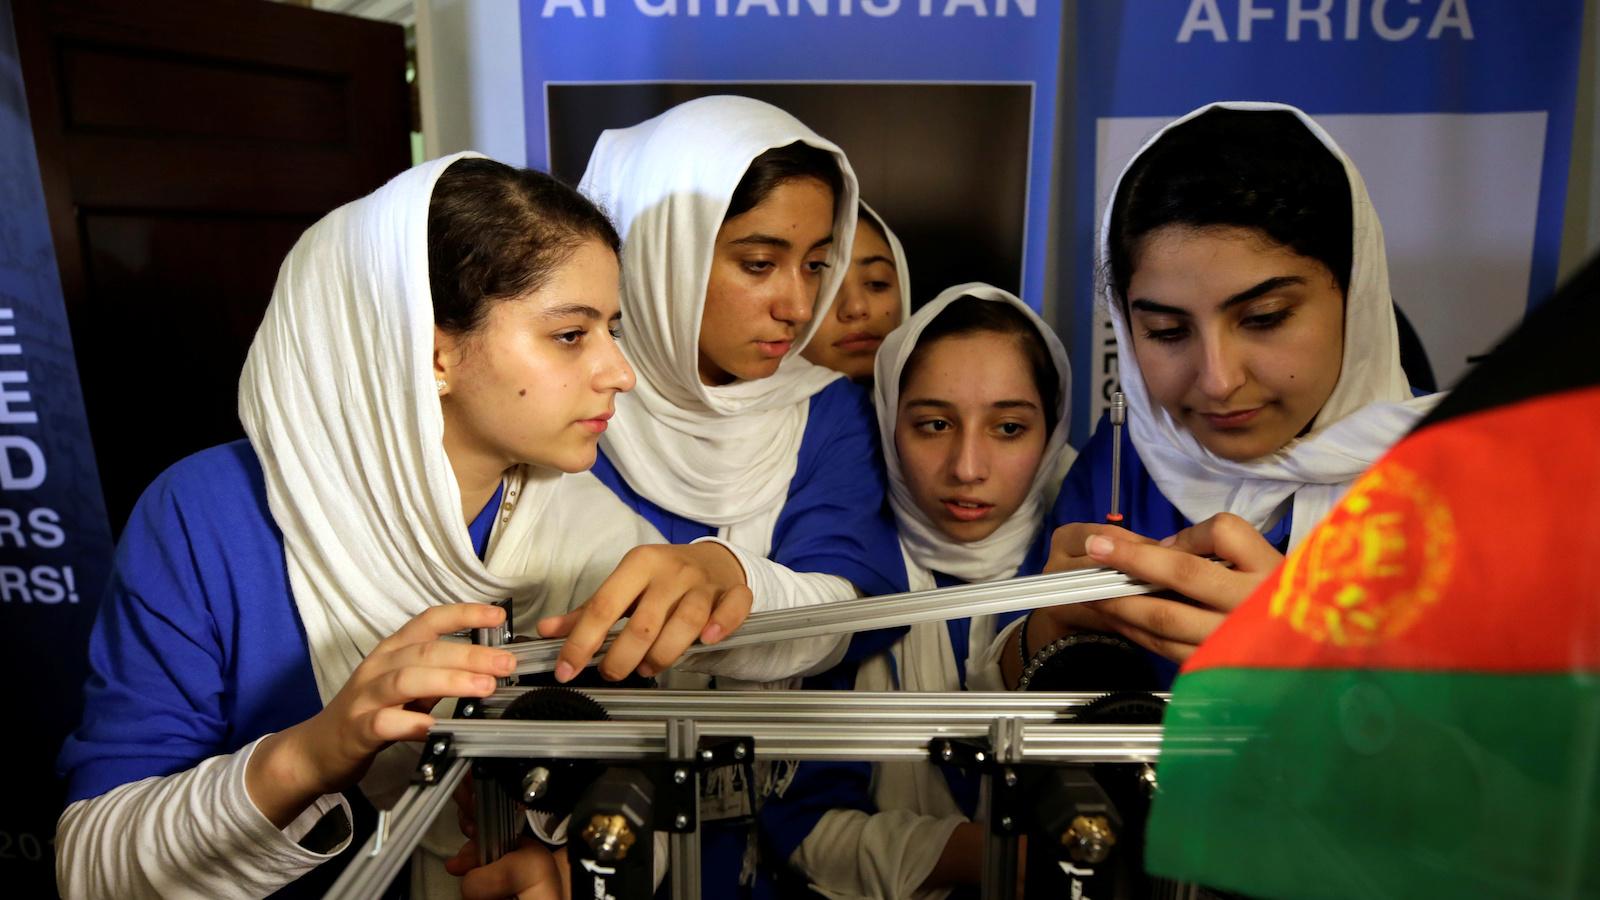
[707,755]
[947,752]
[978,756]
[680,776]
[1011,778]
[1005,822]
[438,747]
[738,751]
[427,771]
[1147,779]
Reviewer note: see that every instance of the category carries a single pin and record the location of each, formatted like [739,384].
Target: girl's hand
[671,594]
[386,699]
[1174,628]
[1067,553]
[530,872]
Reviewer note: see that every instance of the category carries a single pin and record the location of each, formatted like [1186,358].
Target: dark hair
[781,165]
[865,216]
[1262,170]
[969,315]
[496,231]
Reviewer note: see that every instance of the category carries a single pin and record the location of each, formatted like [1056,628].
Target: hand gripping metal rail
[678,727]
[886,611]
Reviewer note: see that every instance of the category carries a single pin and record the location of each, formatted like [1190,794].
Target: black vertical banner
[55,544]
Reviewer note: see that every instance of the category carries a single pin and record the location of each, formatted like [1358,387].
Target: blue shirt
[198,648]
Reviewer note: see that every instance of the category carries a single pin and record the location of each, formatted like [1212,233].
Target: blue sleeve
[1077,500]
[1086,491]
[196,570]
[836,520]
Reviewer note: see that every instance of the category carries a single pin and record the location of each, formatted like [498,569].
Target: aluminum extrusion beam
[887,611]
[398,832]
[947,707]
[1043,743]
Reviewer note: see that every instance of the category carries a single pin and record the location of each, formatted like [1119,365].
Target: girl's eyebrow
[1245,296]
[772,240]
[998,404]
[571,309]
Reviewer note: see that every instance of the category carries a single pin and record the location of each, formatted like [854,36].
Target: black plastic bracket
[435,754]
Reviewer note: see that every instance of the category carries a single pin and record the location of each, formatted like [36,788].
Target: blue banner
[1458,113]
[55,544]
[945,107]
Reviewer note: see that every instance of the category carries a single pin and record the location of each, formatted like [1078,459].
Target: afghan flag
[1410,706]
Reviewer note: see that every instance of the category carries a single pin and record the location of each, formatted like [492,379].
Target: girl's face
[766,269]
[537,380]
[866,310]
[1240,340]
[970,431]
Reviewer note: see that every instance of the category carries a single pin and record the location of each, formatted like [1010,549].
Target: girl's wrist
[281,777]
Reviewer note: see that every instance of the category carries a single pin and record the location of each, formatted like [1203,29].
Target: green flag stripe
[1376,784]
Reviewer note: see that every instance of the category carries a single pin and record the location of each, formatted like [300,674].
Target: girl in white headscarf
[972,401]
[737,221]
[873,300]
[1246,280]
[424,394]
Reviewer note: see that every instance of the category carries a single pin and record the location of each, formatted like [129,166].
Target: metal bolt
[427,772]
[469,710]
[706,755]
[535,784]
[680,776]
[682,821]
[947,752]
[738,751]
[978,756]
[1147,779]
[438,747]
[1011,778]
[1005,822]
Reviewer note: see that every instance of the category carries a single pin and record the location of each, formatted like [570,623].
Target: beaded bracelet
[1059,644]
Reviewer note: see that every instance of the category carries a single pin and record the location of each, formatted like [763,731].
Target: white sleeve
[775,586]
[983,671]
[886,855]
[194,833]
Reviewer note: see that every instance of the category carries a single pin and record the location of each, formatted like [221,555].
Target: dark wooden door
[184,146]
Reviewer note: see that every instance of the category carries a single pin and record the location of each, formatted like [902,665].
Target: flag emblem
[1377,564]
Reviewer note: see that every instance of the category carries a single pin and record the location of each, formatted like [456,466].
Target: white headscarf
[719,455]
[998,555]
[902,269]
[339,402]
[890,853]
[1370,408]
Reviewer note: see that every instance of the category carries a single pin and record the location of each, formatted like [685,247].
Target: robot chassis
[1034,770]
